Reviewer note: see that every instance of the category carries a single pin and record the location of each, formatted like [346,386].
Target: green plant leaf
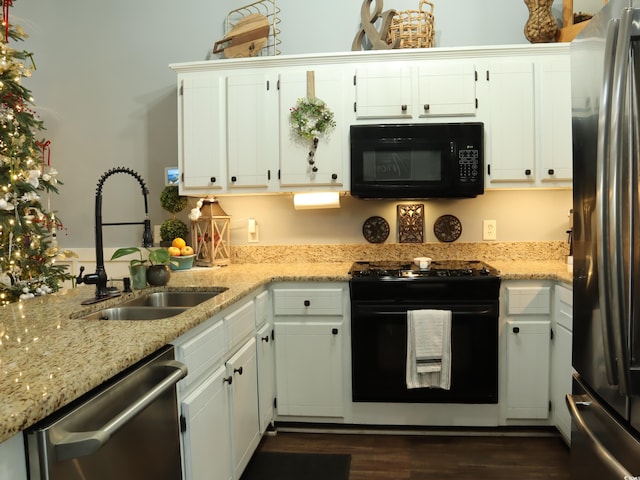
[121,252]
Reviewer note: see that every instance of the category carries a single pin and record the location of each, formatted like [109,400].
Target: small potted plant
[156,274]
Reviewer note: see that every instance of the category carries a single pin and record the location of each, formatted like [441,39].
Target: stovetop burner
[389,270]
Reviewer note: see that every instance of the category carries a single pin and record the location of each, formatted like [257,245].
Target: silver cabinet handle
[616,467]
[68,445]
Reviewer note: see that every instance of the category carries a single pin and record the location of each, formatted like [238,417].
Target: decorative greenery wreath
[311,118]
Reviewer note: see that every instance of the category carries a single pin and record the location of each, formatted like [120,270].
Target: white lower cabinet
[266,375]
[561,369]
[219,397]
[309,366]
[207,450]
[526,330]
[528,369]
[309,337]
[243,372]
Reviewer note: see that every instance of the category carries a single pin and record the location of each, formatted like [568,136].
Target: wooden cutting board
[246,38]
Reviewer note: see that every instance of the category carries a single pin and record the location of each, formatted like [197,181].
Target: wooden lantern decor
[211,234]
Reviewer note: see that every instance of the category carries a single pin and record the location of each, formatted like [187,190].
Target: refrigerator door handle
[616,270]
[603,454]
[603,217]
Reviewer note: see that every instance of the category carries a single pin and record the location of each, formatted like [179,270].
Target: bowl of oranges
[182,255]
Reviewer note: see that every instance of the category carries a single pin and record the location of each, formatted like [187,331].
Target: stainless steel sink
[135,313]
[157,305]
[174,299]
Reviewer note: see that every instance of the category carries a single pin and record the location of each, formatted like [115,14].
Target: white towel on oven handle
[428,349]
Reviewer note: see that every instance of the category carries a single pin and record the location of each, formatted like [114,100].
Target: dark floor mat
[297,466]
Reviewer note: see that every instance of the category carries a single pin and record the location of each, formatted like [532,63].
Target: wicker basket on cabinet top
[414,28]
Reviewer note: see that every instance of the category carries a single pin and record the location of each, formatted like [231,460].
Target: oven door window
[379,350]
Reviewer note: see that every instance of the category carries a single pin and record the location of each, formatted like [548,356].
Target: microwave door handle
[616,271]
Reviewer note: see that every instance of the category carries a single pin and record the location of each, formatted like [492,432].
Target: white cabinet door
[206,445]
[250,130]
[561,380]
[383,91]
[309,378]
[245,424]
[527,395]
[556,154]
[266,375]
[561,369]
[331,154]
[446,89]
[201,127]
[511,134]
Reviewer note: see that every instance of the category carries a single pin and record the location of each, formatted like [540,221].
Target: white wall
[107,97]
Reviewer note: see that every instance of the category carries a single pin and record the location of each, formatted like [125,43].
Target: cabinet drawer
[528,300]
[201,352]
[240,323]
[322,301]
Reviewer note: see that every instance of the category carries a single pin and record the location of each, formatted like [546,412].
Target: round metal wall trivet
[375,229]
[447,228]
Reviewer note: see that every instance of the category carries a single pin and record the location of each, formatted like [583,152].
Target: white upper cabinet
[201,133]
[302,163]
[510,155]
[529,123]
[418,89]
[235,134]
[446,89]
[250,119]
[383,91]
[555,120]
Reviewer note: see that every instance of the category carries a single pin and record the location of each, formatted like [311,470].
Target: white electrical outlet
[489,230]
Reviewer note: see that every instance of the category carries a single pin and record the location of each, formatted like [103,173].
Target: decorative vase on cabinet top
[541,25]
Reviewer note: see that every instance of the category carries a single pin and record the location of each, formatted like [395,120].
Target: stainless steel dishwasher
[126,429]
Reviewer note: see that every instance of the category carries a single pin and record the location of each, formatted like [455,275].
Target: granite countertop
[48,359]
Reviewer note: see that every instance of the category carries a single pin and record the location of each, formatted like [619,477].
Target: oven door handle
[68,445]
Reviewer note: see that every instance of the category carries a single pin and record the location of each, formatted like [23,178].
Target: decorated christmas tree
[28,227]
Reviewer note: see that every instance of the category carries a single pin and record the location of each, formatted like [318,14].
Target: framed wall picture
[171,176]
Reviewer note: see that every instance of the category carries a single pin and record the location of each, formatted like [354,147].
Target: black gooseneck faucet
[99,278]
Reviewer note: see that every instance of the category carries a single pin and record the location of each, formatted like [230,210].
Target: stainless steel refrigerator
[605,403]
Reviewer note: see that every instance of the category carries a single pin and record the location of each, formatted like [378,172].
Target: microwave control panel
[468,163]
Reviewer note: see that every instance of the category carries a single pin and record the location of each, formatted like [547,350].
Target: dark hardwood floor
[422,457]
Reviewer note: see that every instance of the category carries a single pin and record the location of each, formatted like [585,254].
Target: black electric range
[381,295]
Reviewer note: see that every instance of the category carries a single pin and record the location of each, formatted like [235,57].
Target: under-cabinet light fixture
[305,201]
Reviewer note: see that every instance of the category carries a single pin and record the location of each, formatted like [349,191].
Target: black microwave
[426,160]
